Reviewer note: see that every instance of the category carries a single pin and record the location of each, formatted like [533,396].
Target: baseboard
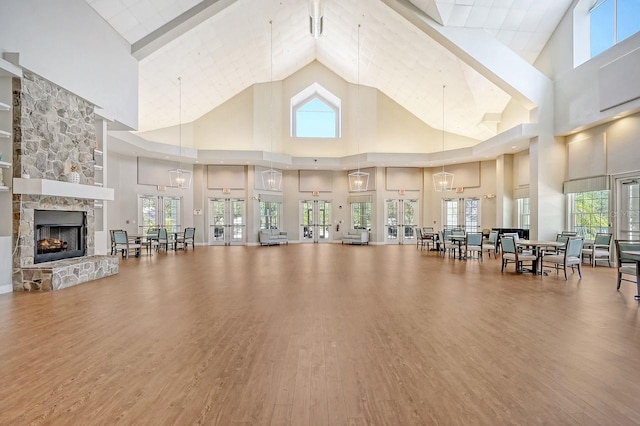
[6,289]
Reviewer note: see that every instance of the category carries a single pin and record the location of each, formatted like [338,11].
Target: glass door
[315,221]
[628,216]
[159,212]
[226,221]
[400,221]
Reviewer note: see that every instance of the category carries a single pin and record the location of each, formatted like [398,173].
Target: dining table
[537,246]
[144,240]
[458,240]
[635,255]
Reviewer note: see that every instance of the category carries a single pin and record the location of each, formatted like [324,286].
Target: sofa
[355,236]
[270,237]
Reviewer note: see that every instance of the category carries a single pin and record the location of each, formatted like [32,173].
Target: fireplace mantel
[61,189]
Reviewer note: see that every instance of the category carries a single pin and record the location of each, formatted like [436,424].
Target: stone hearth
[50,276]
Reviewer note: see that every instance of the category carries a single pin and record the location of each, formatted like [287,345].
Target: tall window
[158,211]
[269,215]
[361,216]
[450,213]
[461,213]
[315,113]
[472,214]
[589,212]
[612,21]
[524,213]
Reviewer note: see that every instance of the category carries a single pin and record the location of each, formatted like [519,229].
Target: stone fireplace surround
[53,131]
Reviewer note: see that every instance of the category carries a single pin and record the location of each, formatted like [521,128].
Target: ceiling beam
[484,53]
[178,26]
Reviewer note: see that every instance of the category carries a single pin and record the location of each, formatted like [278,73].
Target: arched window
[316,113]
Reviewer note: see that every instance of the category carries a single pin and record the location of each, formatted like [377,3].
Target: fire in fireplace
[59,235]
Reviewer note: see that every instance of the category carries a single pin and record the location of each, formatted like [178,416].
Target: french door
[400,221]
[315,221]
[226,221]
[628,216]
[158,212]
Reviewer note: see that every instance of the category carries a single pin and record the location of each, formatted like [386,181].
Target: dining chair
[510,254]
[491,243]
[122,244]
[187,237]
[473,244]
[446,243]
[572,257]
[163,240]
[600,249]
[626,265]
[113,240]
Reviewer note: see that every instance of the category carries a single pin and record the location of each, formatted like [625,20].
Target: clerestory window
[315,113]
[612,21]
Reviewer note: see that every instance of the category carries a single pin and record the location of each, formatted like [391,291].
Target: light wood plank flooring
[322,334]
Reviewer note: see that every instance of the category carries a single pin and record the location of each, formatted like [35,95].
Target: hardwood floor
[322,334]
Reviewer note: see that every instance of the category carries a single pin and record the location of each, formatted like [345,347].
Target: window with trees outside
[524,213]
[461,213]
[361,215]
[450,214]
[589,213]
[269,215]
[612,21]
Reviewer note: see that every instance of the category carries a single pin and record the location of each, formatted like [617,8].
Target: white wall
[123,211]
[621,141]
[68,43]
[577,90]
[246,122]
[488,186]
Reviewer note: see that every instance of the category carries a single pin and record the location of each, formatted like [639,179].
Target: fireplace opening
[58,235]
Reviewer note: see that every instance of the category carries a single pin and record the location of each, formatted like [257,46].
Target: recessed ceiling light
[166,156]
[221,162]
[513,147]
[615,117]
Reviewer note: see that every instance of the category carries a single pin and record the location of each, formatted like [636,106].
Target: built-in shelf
[4,107]
[4,188]
[4,134]
[97,205]
[61,189]
[97,152]
[98,184]
[97,167]
[4,165]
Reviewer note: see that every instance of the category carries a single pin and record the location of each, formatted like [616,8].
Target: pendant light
[358,181]
[443,181]
[180,178]
[271,179]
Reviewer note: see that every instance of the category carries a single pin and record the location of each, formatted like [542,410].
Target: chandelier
[180,178]
[271,179]
[443,181]
[358,181]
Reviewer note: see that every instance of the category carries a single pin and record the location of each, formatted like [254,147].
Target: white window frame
[315,91]
[524,213]
[461,214]
[266,221]
[572,221]
[367,220]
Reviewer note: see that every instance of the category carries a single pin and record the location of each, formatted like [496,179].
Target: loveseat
[355,236]
[269,237]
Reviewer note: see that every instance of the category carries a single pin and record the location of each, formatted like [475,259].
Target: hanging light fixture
[358,181]
[180,178]
[443,181]
[315,18]
[271,179]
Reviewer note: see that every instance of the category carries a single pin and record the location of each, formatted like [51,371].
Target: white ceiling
[229,52]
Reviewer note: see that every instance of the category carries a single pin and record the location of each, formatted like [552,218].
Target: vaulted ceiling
[225,48]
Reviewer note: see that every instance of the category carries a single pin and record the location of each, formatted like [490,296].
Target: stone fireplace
[53,219]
